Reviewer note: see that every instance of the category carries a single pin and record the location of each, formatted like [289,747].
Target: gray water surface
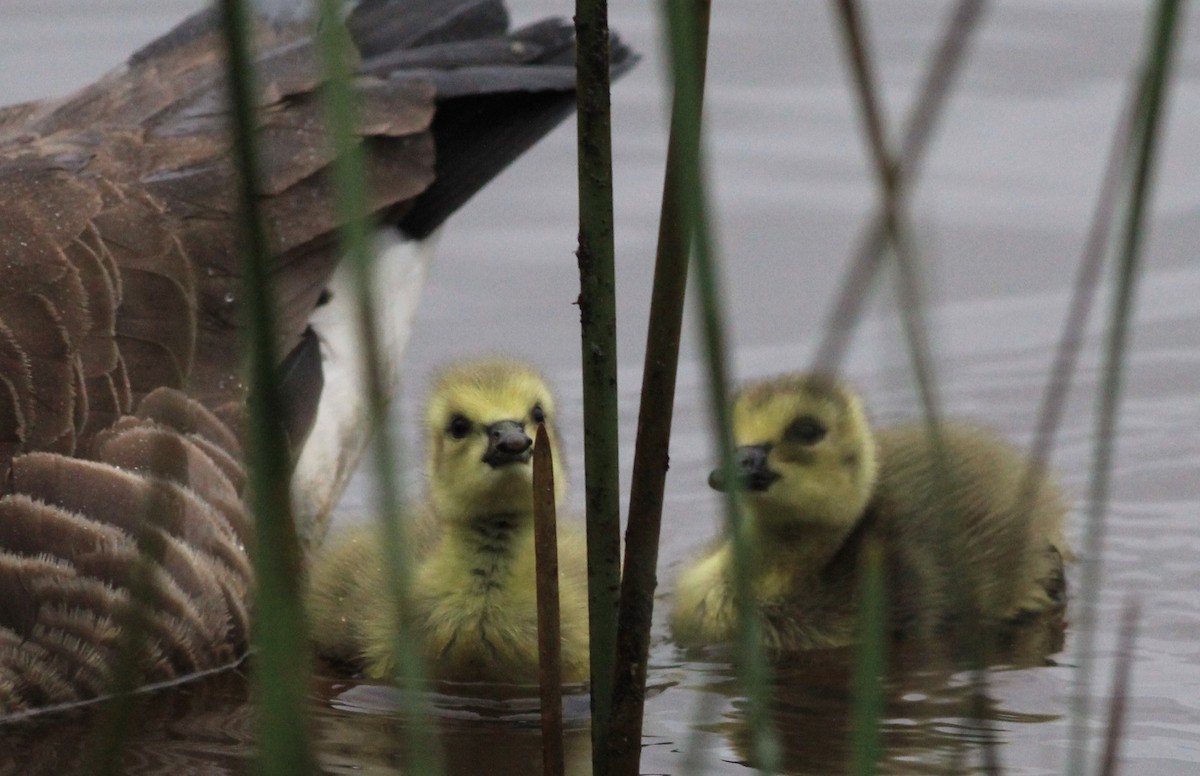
[1000,211]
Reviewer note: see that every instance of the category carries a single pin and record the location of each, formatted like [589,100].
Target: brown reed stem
[651,452]
[897,234]
[545,543]
[1118,700]
[935,87]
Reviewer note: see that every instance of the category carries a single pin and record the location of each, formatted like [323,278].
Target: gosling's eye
[805,430]
[459,427]
[538,414]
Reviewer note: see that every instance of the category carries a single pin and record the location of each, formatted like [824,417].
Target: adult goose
[120,395]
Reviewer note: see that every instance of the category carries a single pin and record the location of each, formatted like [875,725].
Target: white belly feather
[342,429]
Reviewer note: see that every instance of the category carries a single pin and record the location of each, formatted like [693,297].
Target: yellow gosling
[817,481]
[473,607]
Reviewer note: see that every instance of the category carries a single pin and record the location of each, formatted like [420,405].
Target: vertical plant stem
[120,713]
[899,236]
[651,452]
[545,546]
[683,43]
[1156,75]
[895,226]
[282,665]
[598,327]
[869,667]
[1083,293]
[349,172]
[1111,756]
[856,286]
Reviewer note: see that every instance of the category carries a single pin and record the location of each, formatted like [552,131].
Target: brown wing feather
[121,400]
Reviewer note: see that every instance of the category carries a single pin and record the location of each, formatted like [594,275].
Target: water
[1000,213]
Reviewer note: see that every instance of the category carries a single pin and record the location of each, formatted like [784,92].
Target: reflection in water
[204,726]
[927,725]
[482,728]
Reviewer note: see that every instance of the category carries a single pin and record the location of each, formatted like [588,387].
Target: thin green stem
[684,44]
[349,171]
[870,665]
[120,713]
[1156,74]
[1083,293]
[282,668]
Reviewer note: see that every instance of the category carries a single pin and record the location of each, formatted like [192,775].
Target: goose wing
[120,394]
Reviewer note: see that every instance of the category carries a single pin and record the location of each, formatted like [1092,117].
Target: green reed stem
[897,233]
[870,665]
[283,664]
[935,87]
[1083,293]
[1156,74]
[598,328]
[119,716]
[684,43]
[349,171]
[545,545]
[651,452]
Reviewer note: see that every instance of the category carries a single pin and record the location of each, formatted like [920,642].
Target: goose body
[819,482]
[473,608]
[120,391]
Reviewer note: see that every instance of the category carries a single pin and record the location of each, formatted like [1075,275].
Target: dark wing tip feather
[491,112]
[379,27]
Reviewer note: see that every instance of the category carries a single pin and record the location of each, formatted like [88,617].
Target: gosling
[817,483]
[473,607]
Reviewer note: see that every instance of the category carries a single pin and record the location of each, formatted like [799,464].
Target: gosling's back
[969,535]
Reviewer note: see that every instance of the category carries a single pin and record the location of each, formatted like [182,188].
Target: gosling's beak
[507,443]
[752,467]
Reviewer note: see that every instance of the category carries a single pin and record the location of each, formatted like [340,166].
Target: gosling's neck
[805,548]
[490,545]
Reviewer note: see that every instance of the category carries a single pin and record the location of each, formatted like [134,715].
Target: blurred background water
[1000,211]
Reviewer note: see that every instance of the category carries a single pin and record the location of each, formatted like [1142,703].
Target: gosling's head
[480,424]
[805,454]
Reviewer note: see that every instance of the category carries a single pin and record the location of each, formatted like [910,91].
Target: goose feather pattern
[121,468]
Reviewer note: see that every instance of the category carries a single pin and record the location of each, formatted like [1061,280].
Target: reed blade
[859,278]
[423,754]
[598,330]
[651,451]
[1157,61]
[282,666]
[870,664]
[545,545]
[683,42]
[1119,699]
[897,234]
